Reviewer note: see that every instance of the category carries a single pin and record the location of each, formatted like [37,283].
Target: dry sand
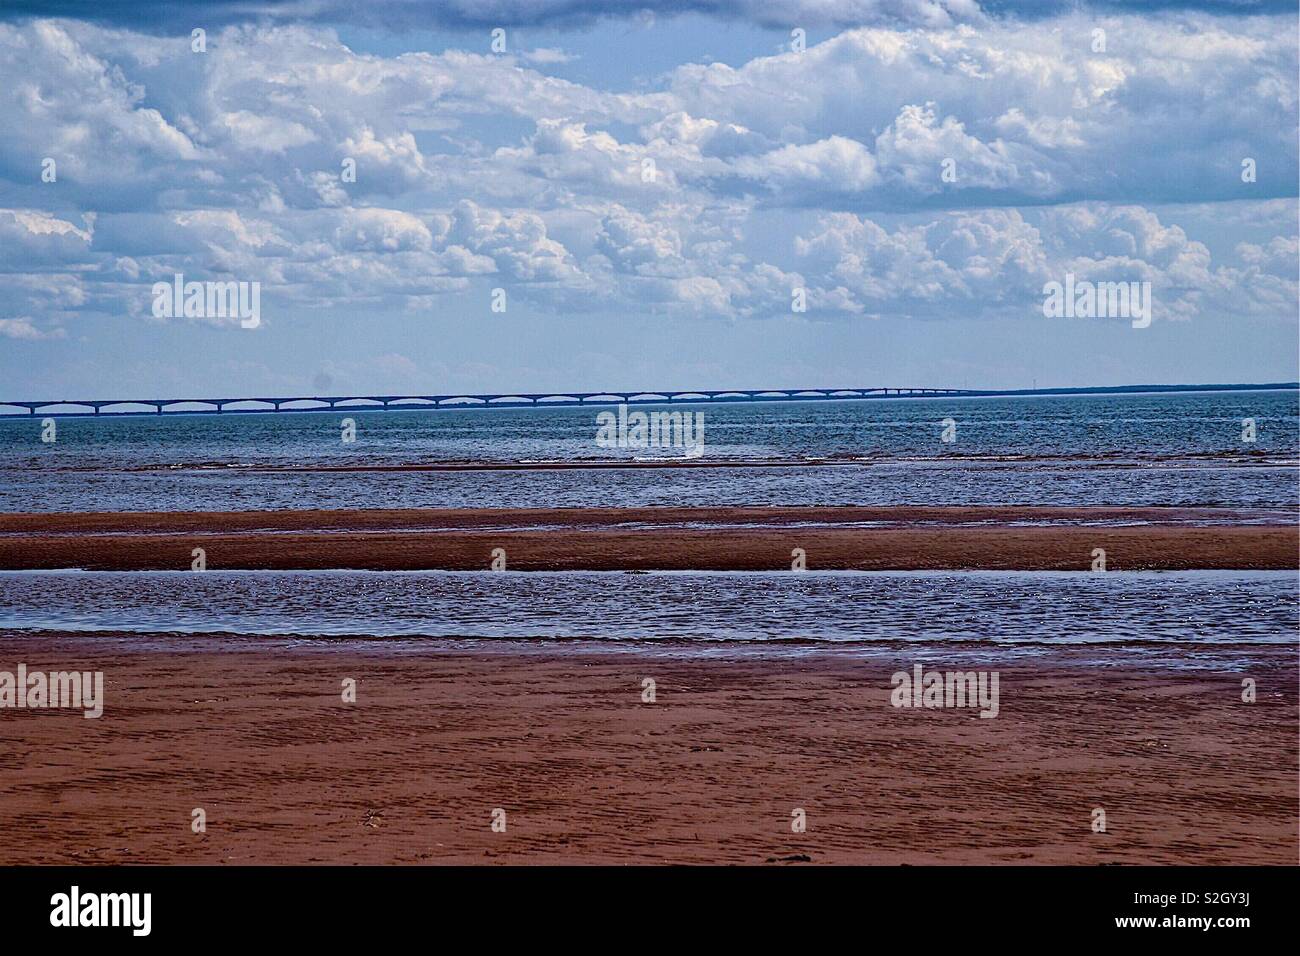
[255,732]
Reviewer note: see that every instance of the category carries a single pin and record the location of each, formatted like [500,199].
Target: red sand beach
[256,734]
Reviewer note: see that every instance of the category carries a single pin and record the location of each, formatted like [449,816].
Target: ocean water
[1131,450]
[1128,450]
[1221,609]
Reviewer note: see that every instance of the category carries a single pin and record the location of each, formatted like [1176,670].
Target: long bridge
[316,403]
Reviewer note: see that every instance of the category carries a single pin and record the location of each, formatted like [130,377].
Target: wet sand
[904,538]
[255,733]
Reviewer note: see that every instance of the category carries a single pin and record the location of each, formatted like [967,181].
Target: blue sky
[1113,156]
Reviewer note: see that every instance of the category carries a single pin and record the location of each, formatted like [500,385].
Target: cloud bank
[950,165]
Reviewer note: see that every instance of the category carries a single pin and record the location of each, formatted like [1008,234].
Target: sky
[646,192]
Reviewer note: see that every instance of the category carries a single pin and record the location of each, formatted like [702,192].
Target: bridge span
[323,403]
